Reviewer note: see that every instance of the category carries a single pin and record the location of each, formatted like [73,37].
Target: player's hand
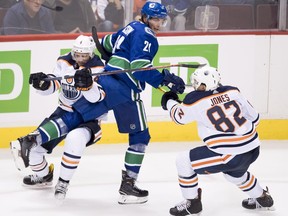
[167,96]
[173,82]
[38,82]
[83,79]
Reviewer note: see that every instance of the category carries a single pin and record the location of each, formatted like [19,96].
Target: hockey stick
[103,53]
[105,73]
[56,8]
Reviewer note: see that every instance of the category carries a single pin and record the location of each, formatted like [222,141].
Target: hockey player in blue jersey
[134,46]
[227,125]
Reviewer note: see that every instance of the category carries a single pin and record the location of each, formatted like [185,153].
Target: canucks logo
[149,31]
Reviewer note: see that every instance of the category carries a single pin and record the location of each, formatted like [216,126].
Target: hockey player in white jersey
[227,125]
[79,62]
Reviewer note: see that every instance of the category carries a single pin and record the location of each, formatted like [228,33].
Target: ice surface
[94,187]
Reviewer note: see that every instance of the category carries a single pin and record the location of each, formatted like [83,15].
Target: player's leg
[136,125]
[42,173]
[189,165]
[259,198]
[20,148]
[188,182]
[129,192]
[57,125]
[75,143]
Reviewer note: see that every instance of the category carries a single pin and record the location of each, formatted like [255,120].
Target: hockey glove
[167,96]
[38,82]
[173,82]
[83,79]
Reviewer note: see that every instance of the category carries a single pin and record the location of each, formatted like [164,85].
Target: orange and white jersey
[226,120]
[68,94]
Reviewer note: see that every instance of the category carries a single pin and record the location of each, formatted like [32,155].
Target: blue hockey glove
[83,79]
[38,82]
[167,96]
[173,82]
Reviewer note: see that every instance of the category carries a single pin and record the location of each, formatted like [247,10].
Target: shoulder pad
[226,88]
[68,58]
[95,61]
[194,96]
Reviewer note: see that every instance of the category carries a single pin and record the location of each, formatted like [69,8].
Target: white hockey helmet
[209,76]
[84,44]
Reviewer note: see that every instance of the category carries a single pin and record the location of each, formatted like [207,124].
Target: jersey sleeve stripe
[212,161]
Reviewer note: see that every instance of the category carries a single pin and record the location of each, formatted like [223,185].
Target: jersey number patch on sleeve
[118,43]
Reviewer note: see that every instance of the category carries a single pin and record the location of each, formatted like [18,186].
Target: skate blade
[272,208]
[59,199]
[126,199]
[16,153]
[39,186]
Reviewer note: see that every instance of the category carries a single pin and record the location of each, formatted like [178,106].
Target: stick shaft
[98,45]
[146,69]
[132,70]
[105,73]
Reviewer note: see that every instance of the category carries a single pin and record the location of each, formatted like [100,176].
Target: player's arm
[248,111]
[108,42]
[95,93]
[179,112]
[146,47]
[84,82]
[37,80]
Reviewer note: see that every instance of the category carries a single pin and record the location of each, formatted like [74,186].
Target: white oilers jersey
[68,94]
[226,120]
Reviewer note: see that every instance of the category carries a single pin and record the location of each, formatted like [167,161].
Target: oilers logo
[69,91]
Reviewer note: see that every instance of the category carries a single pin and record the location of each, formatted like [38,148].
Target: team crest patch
[149,31]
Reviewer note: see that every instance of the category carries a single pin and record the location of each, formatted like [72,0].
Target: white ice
[94,187]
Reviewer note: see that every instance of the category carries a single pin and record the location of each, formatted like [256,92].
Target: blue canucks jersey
[133,47]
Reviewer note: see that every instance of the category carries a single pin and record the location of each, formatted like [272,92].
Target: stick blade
[192,65]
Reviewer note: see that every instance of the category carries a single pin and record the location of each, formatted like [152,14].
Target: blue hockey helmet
[154,9]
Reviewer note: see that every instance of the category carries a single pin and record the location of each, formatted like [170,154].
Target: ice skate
[265,202]
[130,193]
[60,190]
[20,149]
[36,181]
[188,207]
